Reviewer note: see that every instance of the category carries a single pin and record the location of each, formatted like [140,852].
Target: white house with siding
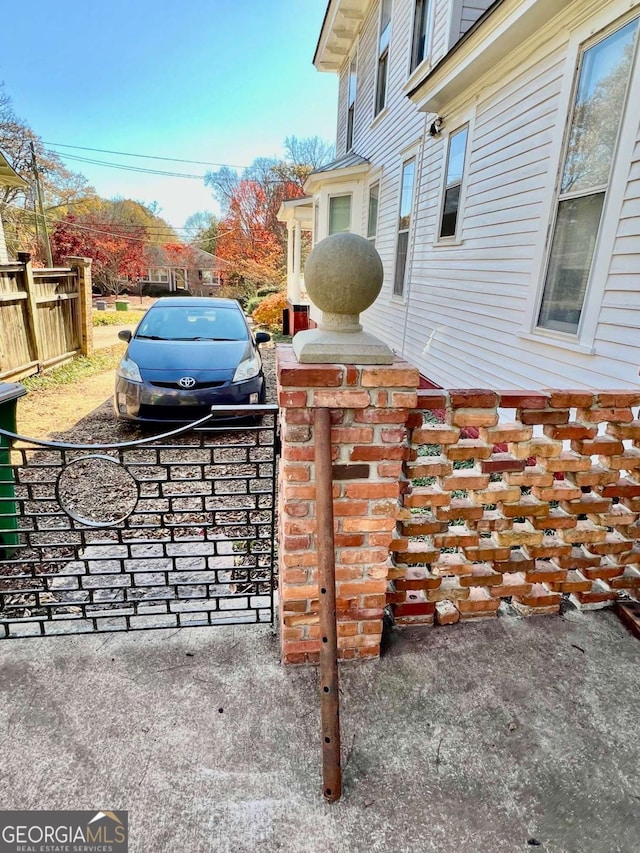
[491,151]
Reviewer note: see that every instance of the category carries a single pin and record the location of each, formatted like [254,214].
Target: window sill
[560,343]
[442,244]
[417,75]
[381,115]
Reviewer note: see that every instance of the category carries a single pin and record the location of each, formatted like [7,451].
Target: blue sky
[223,81]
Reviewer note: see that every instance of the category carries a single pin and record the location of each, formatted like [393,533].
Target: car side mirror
[262,337]
[125,335]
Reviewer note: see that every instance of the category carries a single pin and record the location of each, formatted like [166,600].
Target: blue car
[186,355]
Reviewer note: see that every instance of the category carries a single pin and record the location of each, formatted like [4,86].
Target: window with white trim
[600,95]
[351,103]
[382,66]
[339,213]
[454,174]
[372,214]
[159,275]
[404,225]
[420,28]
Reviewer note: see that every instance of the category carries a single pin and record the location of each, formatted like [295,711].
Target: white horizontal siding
[471,11]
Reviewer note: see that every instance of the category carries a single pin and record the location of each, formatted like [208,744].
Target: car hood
[188,357]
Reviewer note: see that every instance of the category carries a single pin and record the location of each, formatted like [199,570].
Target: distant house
[181,267]
[8,178]
[491,152]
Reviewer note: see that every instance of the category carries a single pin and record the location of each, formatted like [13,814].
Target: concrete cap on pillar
[343,276]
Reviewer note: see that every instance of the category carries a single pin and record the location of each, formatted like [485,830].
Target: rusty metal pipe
[329,699]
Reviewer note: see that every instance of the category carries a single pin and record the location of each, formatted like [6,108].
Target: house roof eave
[8,175]
[505,26]
[340,28]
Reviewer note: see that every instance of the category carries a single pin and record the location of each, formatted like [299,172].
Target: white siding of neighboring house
[470,304]
[4,258]
[470,12]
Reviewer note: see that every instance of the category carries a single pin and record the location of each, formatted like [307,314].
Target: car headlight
[247,369]
[128,369]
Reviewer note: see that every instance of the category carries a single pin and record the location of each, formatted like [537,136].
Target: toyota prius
[186,355]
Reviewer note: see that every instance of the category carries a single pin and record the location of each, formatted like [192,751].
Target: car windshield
[193,323]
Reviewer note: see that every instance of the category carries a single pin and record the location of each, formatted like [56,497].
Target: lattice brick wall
[525,512]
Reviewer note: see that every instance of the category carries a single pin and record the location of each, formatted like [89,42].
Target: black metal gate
[167,531]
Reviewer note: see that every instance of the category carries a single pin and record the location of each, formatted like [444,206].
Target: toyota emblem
[186,382]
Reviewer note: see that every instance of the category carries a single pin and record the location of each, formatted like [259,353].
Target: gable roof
[157,256]
[346,166]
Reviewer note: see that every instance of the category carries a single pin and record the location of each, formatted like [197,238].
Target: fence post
[33,324]
[369,393]
[82,269]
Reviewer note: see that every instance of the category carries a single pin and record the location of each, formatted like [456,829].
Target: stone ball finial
[343,276]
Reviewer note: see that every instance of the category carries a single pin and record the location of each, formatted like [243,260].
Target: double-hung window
[600,95]
[404,225]
[420,27]
[453,182]
[383,55]
[351,103]
[339,213]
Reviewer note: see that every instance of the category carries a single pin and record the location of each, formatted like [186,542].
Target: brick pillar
[369,406]
[82,268]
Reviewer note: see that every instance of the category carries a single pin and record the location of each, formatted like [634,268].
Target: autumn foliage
[269,311]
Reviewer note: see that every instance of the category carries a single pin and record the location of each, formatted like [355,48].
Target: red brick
[617,398]
[598,416]
[472,398]
[563,399]
[550,416]
[513,583]
[302,453]
[539,597]
[571,430]
[479,601]
[417,577]
[292,576]
[472,417]
[401,400]
[352,540]
[623,488]
[371,491]
[296,473]
[340,399]
[523,400]
[297,510]
[306,375]
[574,582]
[343,508]
[353,375]
[296,543]
[351,435]
[446,613]
[501,462]
[380,416]
[398,375]
[432,399]
[602,445]
[393,436]
[292,399]
[545,572]
[375,453]
[389,469]
[625,431]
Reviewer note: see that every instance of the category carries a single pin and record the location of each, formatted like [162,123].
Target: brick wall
[522,512]
[370,407]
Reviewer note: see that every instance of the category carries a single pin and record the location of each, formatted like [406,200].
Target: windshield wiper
[151,337]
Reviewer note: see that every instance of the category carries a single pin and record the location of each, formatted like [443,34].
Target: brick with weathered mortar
[482,574]
[426,496]
[296,509]
[472,417]
[496,492]
[628,460]
[459,508]
[296,526]
[450,589]
[570,431]
[339,399]
[513,583]
[522,533]
[457,536]
[569,398]
[296,473]
[479,601]
[619,397]
[446,613]
[528,505]
[625,431]
[532,475]
[371,491]
[292,399]
[598,416]
[588,502]
[625,487]
[557,519]
[398,375]
[540,446]
[561,490]
[596,477]
[618,516]
[424,524]
[431,399]
[517,562]
[403,399]
[435,434]
[302,452]
[610,543]
[376,453]
[567,461]
[389,469]
[543,416]
[418,577]
[429,466]
[465,478]
[545,571]
[310,376]
[551,547]
[498,463]
[575,581]
[487,549]
[472,398]
[451,564]
[380,416]
[469,448]
[490,521]
[505,433]
[348,540]
[601,445]
[600,593]
[584,532]
[418,552]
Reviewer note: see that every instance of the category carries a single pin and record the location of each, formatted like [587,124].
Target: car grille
[193,388]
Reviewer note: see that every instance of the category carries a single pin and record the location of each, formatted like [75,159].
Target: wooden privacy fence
[45,315]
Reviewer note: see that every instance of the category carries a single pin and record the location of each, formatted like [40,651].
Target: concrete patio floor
[503,736]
